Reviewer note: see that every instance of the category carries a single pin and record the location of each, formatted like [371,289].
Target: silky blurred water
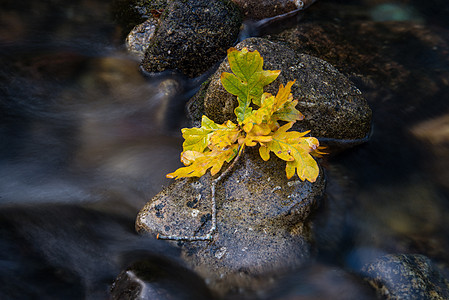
[86,140]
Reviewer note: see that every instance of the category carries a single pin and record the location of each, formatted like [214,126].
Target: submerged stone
[158,278]
[193,36]
[262,223]
[261,9]
[321,281]
[333,107]
[404,61]
[407,276]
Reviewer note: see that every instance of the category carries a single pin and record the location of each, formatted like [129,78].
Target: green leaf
[248,80]
[198,139]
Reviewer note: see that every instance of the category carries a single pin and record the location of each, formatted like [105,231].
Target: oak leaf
[258,115]
[248,80]
[198,163]
[295,148]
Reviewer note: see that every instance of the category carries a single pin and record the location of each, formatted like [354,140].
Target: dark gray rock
[262,223]
[407,276]
[261,9]
[333,107]
[388,61]
[193,36]
[157,278]
[130,13]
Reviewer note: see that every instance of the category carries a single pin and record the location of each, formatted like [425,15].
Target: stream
[86,140]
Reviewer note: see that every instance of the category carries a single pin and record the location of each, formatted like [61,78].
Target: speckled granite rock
[407,276]
[193,36]
[333,107]
[262,228]
[139,38]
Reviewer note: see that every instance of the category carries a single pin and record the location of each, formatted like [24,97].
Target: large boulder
[262,223]
[193,36]
[333,107]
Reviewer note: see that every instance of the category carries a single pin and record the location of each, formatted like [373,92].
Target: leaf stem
[213,228]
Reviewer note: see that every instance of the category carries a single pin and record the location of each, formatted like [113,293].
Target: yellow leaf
[306,167]
[197,139]
[225,136]
[285,106]
[261,115]
[210,133]
[202,162]
[209,146]
[189,156]
[295,148]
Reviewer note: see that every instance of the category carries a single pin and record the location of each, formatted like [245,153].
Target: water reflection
[86,140]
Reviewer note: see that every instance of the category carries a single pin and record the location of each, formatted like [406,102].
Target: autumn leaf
[284,105]
[209,146]
[224,136]
[248,80]
[201,162]
[198,139]
[293,147]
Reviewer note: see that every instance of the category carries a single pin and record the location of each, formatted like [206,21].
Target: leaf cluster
[262,118]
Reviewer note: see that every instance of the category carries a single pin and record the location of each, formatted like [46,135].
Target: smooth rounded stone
[193,36]
[261,9]
[333,107]
[139,38]
[157,278]
[262,223]
[407,276]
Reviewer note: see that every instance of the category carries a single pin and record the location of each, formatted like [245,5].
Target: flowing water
[86,141]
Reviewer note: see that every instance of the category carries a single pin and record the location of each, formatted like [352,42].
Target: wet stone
[139,38]
[333,107]
[262,223]
[261,9]
[407,276]
[130,13]
[402,60]
[193,36]
[158,278]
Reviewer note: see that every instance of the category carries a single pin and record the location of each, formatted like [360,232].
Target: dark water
[86,140]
